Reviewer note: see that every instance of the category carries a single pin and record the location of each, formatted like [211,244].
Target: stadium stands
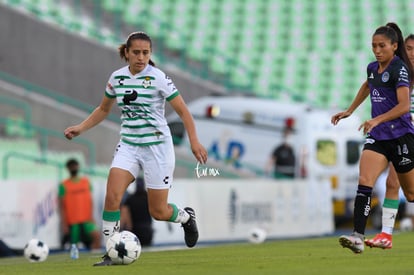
[313,51]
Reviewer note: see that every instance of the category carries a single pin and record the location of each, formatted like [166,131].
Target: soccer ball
[406,224]
[257,235]
[123,247]
[36,251]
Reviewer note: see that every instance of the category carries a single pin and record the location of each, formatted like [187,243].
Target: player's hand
[337,117]
[199,152]
[368,125]
[72,131]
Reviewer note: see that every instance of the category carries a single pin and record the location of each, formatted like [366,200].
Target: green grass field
[307,256]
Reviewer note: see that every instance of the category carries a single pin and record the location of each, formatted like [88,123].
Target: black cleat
[190,228]
[106,260]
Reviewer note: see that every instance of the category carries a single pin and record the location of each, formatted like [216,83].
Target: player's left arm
[181,109]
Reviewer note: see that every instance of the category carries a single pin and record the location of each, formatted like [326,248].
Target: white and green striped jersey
[141,99]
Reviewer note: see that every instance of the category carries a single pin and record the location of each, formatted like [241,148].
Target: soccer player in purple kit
[391,203]
[389,133]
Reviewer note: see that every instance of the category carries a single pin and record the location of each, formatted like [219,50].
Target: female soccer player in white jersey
[140,91]
[391,202]
[390,133]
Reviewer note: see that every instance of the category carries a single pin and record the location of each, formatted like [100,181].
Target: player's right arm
[362,94]
[98,115]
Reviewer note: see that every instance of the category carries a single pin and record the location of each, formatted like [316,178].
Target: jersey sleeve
[168,89]
[402,78]
[110,90]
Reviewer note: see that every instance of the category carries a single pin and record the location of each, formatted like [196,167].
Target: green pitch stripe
[143,143]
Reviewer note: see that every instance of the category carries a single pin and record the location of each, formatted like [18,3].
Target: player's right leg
[118,181]
[371,165]
[389,212]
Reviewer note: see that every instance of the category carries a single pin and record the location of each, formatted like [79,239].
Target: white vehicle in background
[243,132]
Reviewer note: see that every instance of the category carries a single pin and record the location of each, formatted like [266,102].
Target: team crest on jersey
[146,82]
[385,77]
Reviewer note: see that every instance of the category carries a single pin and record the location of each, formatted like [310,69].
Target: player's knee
[392,185]
[365,181]
[409,196]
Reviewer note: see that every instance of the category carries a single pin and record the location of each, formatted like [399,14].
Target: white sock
[179,215]
[388,219]
[183,216]
[109,228]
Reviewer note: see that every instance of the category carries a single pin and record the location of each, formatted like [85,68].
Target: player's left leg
[160,209]
[389,212]
[158,162]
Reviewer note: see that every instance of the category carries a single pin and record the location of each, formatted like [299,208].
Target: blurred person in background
[76,208]
[283,161]
[135,216]
[5,250]
[390,132]
[391,202]
[140,91]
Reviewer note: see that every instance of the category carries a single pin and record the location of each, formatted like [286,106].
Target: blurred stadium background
[56,56]
[62,51]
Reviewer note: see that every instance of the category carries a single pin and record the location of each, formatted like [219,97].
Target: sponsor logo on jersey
[385,77]
[376,96]
[371,76]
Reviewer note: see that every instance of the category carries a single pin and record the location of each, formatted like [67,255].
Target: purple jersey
[383,90]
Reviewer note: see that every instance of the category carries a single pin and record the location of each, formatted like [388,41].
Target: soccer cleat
[381,240]
[106,260]
[190,228]
[353,242]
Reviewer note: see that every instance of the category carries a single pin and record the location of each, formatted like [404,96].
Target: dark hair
[127,44]
[71,162]
[409,37]
[393,32]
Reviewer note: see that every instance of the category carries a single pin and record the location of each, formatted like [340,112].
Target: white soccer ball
[257,235]
[36,251]
[123,247]
[406,224]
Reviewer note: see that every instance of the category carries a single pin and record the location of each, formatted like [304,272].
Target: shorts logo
[385,77]
[165,180]
[404,161]
[369,141]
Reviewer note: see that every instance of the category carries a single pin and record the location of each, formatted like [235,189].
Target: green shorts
[82,232]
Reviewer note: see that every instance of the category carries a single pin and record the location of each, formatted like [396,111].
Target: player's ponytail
[394,33]
[135,35]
